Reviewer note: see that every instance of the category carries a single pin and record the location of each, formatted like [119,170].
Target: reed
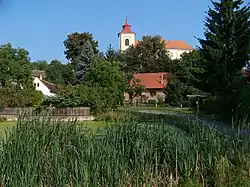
[124,153]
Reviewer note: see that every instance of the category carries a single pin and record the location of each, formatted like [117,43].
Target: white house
[47,88]
[175,48]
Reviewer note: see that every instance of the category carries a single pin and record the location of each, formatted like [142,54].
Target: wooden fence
[50,111]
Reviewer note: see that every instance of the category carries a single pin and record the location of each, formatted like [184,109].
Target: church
[175,48]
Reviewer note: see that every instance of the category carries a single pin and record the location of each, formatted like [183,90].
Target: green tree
[175,92]
[225,50]
[83,61]
[40,65]
[109,79]
[59,73]
[184,78]
[76,41]
[134,88]
[111,55]
[102,89]
[15,65]
[18,96]
[148,56]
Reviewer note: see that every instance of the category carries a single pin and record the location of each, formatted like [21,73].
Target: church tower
[126,36]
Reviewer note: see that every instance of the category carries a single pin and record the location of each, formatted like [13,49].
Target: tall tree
[59,73]
[189,68]
[108,78]
[111,54]
[225,48]
[40,65]
[83,61]
[15,65]
[149,55]
[76,41]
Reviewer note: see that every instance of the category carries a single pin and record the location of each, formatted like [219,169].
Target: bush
[111,115]
[3,119]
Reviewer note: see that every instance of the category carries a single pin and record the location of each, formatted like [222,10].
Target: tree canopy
[76,41]
[225,50]
[15,65]
[149,55]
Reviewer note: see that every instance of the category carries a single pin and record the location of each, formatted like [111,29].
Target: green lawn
[93,125]
[5,126]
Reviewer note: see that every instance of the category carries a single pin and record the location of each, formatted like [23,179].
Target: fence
[50,111]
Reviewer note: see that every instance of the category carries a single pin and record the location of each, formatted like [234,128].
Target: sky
[41,26]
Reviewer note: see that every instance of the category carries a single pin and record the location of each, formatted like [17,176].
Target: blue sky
[41,26]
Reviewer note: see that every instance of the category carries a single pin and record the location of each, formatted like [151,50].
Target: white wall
[41,87]
[123,37]
[176,53]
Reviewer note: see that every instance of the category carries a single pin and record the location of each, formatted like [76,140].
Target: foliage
[111,55]
[103,88]
[106,74]
[127,153]
[75,42]
[189,68]
[15,65]
[175,92]
[148,56]
[184,79]
[3,119]
[40,65]
[83,61]
[225,51]
[60,74]
[15,96]
[134,88]
[107,79]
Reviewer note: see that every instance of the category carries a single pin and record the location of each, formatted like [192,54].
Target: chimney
[40,76]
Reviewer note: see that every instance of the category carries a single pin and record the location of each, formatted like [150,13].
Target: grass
[128,152]
[5,126]
[93,125]
[167,109]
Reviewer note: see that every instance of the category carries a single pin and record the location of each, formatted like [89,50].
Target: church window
[127,42]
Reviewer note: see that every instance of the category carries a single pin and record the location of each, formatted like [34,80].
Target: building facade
[154,84]
[175,48]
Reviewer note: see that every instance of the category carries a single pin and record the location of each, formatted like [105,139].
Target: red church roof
[174,44]
[126,28]
[177,44]
[152,80]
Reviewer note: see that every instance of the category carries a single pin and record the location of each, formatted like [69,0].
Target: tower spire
[126,23]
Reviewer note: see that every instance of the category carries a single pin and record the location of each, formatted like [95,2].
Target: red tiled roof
[177,44]
[126,28]
[174,44]
[152,80]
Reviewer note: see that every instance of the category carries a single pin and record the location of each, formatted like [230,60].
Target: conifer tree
[225,47]
[83,61]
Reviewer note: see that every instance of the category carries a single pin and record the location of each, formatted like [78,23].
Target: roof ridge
[47,81]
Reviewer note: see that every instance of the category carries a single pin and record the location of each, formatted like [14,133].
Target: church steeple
[126,28]
[126,36]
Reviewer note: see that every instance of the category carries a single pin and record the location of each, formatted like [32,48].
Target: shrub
[3,119]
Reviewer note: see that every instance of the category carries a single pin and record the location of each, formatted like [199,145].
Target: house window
[127,42]
[34,84]
[152,93]
[37,84]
